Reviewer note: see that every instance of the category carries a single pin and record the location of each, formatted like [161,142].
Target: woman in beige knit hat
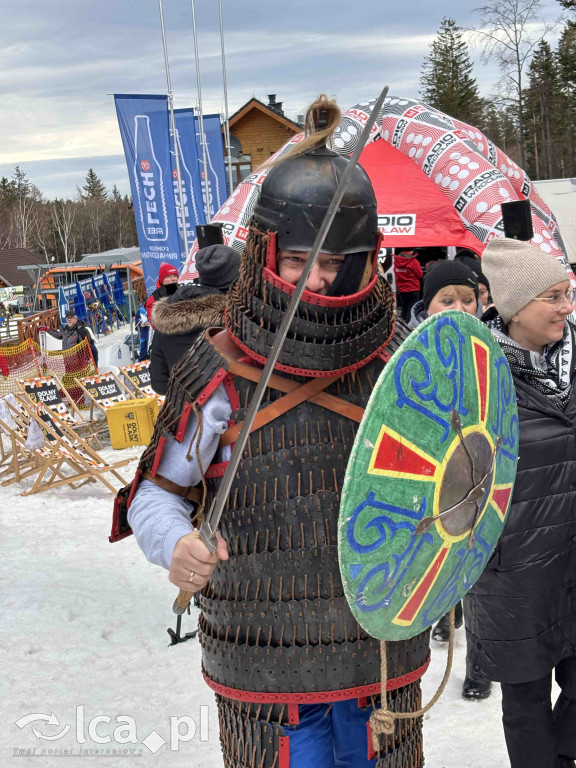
[521,614]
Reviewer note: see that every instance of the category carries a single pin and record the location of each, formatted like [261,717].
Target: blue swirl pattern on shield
[430,477]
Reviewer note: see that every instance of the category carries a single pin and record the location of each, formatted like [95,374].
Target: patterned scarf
[551,373]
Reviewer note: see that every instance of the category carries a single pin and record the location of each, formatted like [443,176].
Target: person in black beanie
[447,285]
[179,318]
[473,263]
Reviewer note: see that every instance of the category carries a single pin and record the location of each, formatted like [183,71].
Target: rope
[198,432]
[382,721]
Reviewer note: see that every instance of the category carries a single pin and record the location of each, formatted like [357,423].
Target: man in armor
[296,678]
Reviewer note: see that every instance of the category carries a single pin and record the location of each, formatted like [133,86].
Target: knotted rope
[382,721]
[197,438]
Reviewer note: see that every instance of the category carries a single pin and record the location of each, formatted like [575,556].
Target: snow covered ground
[84,634]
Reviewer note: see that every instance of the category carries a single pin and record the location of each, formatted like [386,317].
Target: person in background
[143,326]
[166,285]
[465,256]
[408,273]
[179,319]
[521,613]
[73,333]
[447,285]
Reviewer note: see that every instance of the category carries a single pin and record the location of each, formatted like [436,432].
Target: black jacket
[178,321]
[521,613]
[72,336]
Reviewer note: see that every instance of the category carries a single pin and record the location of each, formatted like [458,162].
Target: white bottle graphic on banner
[187,193]
[149,183]
[205,185]
[214,204]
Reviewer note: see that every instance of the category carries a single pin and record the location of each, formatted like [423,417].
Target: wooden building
[257,130]
[10,260]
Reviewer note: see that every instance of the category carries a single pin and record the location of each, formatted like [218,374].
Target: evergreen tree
[566,54]
[7,191]
[447,81]
[498,123]
[544,115]
[94,189]
[21,185]
[570,5]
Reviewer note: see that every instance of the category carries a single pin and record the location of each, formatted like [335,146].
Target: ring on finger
[192,576]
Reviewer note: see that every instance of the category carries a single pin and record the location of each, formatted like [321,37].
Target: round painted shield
[430,477]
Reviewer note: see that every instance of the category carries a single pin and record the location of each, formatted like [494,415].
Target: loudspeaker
[209,234]
[517,219]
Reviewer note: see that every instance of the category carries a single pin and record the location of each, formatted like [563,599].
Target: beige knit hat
[518,271]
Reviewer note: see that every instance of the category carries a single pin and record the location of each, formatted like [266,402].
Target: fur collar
[189,314]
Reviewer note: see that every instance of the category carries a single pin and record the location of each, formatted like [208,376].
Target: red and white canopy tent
[445,178]
[412,211]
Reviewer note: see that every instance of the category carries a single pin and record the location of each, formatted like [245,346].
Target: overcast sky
[60,60]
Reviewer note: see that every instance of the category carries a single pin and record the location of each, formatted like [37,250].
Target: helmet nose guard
[296,194]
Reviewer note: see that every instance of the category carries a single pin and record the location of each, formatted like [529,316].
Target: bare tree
[510,30]
[24,209]
[63,217]
[42,235]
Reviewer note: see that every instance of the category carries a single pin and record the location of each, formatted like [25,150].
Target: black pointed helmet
[295,196]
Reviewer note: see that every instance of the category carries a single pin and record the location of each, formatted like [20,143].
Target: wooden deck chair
[138,376]
[49,390]
[17,461]
[104,390]
[66,459]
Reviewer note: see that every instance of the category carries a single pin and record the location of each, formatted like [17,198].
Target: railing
[139,286]
[17,330]
[28,326]
[8,330]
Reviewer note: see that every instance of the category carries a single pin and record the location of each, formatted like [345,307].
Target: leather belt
[296,393]
[190,493]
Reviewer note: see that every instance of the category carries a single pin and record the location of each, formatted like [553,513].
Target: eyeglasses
[556,300]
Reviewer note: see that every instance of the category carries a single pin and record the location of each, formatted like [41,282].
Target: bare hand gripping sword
[210,525]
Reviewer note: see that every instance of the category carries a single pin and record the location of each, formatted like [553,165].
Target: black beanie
[475,265]
[218,266]
[445,273]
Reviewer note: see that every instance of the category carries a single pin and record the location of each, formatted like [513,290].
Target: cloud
[61,62]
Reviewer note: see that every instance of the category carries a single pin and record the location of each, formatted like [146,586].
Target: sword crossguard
[208,536]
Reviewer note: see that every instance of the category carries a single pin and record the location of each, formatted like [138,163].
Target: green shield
[430,477]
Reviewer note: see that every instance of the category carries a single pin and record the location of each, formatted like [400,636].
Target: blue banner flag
[71,297]
[87,289]
[186,128]
[217,189]
[145,131]
[103,292]
[117,288]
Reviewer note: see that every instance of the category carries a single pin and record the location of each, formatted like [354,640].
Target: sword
[210,525]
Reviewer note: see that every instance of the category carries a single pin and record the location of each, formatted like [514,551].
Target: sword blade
[210,525]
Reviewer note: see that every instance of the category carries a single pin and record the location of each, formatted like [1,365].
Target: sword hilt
[208,538]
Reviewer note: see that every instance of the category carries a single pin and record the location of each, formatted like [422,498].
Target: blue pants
[338,739]
[144,336]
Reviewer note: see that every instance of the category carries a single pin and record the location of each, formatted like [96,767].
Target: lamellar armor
[275,628]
